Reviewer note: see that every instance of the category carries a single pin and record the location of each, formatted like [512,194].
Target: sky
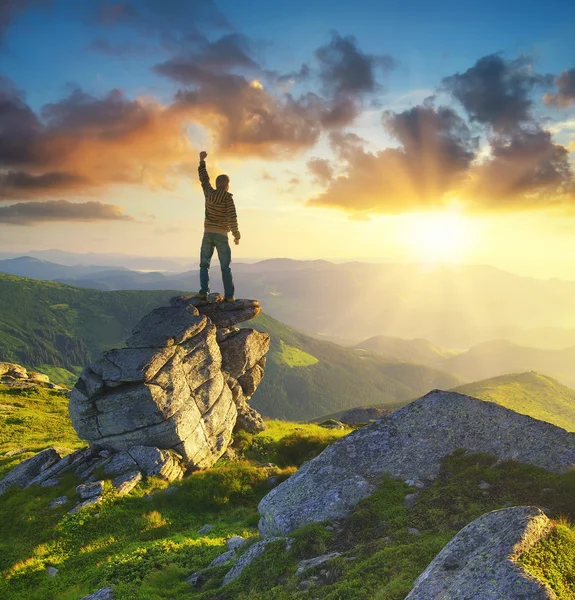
[392,131]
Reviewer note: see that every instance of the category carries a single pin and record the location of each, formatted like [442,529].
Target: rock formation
[13,375]
[481,560]
[409,444]
[181,383]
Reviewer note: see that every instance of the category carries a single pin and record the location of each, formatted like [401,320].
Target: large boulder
[410,444]
[481,560]
[175,386]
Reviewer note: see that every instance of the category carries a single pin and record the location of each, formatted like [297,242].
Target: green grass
[292,356]
[60,375]
[538,396]
[146,545]
[552,561]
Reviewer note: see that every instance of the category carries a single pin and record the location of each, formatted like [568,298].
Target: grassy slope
[538,396]
[418,351]
[145,547]
[45,323]
[295,387]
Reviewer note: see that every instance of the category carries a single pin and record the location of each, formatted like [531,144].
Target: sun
[439,237]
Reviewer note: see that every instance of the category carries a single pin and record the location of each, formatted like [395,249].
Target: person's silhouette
[220,218]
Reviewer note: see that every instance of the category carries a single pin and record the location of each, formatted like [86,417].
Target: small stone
[52,571]
[224,558]
[89,502]
[206,529]
[58,501]
[410,500]
[127,482]
[312,563]
[413,531]
[89,490]
[50,482]
[196,579]
[235,542]
[103,594]
[332,424]
[272,481]
[170,491]
[484,485]
[304,585]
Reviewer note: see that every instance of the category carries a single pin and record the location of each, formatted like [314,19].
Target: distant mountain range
[452,307]
[45,325]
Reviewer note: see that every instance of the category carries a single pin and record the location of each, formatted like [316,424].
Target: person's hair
[222,181]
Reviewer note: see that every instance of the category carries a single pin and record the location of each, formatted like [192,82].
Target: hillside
[499,357]
[306,377]
[46,325]
[538,396]
[146,545]
[452,306]
[418,351]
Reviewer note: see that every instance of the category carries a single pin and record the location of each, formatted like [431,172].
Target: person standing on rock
[220,218]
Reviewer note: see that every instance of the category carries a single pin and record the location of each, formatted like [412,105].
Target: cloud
[565,96]
[118,49]
[525,171]
[321,170]
[436,151]
[497,92]
[83,143]
[347,71]
[10,9]
[30,213]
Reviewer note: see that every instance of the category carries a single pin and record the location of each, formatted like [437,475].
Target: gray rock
[58,501]
[29,470]
[224,558]
[251,379]
[409,444]
[166,326]
[410,500]
[246,559]
[103,594]
[39,377]
[166,397]
[157,463]
[481,560]
[49,477]
[228,314]
[89,502]
[236,542]
[484,485]
[363,414]
[52,571]
[331,424]
[126,482]
[89,490]
[243,351]
[413,531]
[206,529]
[248,418]
[13,370]
[312,563]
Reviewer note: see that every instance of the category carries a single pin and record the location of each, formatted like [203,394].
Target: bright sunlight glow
[445,237]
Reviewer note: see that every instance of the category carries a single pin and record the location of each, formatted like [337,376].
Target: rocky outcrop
[481,560]
[409,444]
[363,414]
[14,375]
[181,384]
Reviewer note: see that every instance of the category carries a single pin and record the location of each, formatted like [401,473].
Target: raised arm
[203,173]
[232,218]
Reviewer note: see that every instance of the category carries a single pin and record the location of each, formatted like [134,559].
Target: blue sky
[126,163]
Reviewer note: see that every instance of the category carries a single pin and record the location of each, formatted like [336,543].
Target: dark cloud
[10,9]
[346,70]
[173,21]
[321,170]
[84,142]
[30,213]
[436,151]
[565,95]
[19,127]
[497,92]
[527,170]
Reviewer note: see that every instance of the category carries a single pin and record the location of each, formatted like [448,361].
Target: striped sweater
[221,214]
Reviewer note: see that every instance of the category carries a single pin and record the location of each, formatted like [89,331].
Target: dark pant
[220,242]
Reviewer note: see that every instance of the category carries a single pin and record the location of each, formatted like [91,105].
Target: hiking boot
[229,299]
[201,296]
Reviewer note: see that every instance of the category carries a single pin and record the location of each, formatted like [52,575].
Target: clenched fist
[203,155]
